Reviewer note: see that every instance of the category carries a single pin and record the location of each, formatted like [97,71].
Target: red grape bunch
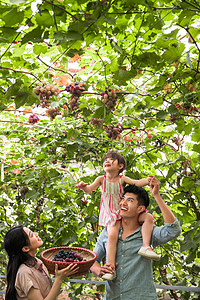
[113,132]
[76,91]
[109,98]
[96,122]
[53,112]
[67,256]
[45,93]
[33,119]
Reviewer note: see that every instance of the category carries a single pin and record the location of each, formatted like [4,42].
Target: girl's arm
[60,276]
[92,187]
[141,182]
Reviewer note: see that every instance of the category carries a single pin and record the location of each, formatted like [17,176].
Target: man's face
[129,206]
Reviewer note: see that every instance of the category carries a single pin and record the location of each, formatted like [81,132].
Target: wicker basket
[48,255]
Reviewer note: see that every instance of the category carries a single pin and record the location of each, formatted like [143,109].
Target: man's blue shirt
[134,279]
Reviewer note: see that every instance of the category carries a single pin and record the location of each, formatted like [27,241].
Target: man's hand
[107,268]
[154,186]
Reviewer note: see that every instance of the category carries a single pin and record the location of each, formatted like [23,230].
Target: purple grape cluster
[109,98]
[76,91]
[114,132]
[67,256]
[53,112]
[45,93]
[96,122]
[40,203]
[33,119]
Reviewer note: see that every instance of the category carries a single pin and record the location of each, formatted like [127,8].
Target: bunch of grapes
[109,98]
[67,256]
[45,93]
[53,112]
[33,119]
[40,203]
[76,91]
[114,132]
[173,118]
[96,122]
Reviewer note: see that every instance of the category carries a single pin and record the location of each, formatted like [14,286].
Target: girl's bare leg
[147,228]
[113,233]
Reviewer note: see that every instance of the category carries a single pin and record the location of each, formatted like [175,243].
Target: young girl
[27,277]
[112,184]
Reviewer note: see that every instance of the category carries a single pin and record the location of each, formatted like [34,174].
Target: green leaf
[35,36]
[196,148]
[44,19]
[161,115]
[40,49]
[12,17]
[67,36]
[173,53]
[149,58]
[73,133]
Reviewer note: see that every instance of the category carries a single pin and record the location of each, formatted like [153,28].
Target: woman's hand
[66,272]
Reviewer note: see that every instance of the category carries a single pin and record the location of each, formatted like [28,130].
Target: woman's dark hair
[14,240]
[141,193]
[117,156]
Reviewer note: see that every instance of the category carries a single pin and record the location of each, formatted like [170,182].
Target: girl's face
[110,164]
[34,242]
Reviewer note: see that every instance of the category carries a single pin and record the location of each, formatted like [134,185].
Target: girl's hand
[154,186]
[66,272]
[149,179]
[81,185]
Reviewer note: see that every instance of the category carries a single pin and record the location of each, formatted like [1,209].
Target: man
[134,279]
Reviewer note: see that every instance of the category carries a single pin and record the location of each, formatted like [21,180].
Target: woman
[27,277]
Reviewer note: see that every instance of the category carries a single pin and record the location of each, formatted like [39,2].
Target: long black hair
[14,240]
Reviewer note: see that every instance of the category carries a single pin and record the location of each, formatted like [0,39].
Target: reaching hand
[154,186]
[149,179]
[82,185]
[66,272]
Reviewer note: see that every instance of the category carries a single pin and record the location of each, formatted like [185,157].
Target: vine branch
[21,71]
[62,8]
[50,67]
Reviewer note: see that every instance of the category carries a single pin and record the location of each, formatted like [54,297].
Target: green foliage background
[136,48]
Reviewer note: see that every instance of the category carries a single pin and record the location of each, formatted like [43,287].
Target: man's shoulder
[103,235]
[165,233]
[174,224]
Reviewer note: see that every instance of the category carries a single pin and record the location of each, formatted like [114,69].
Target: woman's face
[34,241]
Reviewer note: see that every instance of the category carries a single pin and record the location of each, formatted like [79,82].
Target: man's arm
[100,250]
[168,215]
[172,228]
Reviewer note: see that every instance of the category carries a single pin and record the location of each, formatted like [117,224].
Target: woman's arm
[92,187]
[60,276]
